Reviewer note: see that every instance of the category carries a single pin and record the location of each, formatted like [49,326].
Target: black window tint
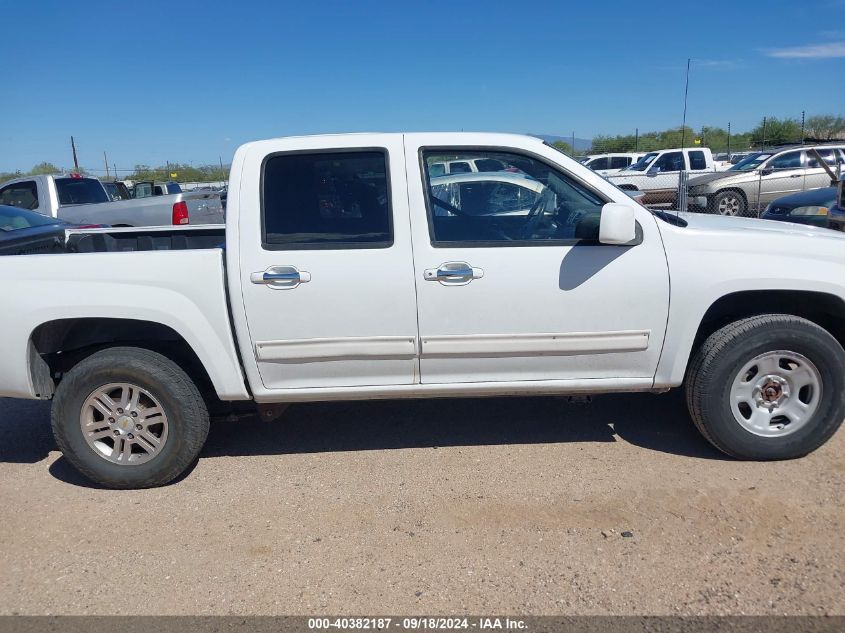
[790,160]
[459,168]
[697,160]
[23,195]
[600,163]
[527,202]
[80,191]
[488,164]
[619,162]
[326,198]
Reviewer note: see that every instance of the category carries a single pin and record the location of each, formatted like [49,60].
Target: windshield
[12,219]
[80,191]
[643,163]
[750,163]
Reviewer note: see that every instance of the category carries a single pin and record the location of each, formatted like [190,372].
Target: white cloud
[811,51]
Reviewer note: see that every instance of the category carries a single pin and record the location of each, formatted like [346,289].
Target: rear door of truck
[325,263]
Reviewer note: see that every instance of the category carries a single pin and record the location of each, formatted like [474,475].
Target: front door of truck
[325,265]
[516,287]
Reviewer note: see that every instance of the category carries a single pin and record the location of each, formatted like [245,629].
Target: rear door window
[80,191]
[620,162]
[23,195]
[459,168]
[326,200]
[697,160]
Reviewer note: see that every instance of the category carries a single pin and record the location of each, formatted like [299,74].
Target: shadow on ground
[654,422]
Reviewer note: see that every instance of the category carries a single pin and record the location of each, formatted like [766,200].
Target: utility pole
[686,92]
[637,140]
[106,161]
[763,141]
[573,142]
[75,162]
[222,173]
[802,127]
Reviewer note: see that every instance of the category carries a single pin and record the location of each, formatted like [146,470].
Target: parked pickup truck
[344,277]
[82,200]
[658,173]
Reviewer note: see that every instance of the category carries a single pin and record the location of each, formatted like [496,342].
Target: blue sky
[188,82]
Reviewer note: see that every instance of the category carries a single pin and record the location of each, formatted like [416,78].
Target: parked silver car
[762,177]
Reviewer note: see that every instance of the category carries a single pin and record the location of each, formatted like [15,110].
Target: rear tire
[768,387]
[127,417]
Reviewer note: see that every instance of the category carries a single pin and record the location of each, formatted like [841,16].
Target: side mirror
[767,171]
[618,224]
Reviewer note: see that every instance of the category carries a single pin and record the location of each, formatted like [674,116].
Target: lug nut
[134,414]
[138,427]
[120,410]
[111,420]
[130,436]
[116,432]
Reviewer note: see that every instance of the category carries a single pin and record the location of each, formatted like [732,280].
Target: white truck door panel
[503,311]
[325,309]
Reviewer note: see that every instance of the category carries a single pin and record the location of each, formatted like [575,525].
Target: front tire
[768,387]
[127,417]
[728,202]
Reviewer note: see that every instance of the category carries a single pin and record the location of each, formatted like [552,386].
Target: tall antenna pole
[106,161]
[637,140]
[729,140]
[73,147]
[686,92]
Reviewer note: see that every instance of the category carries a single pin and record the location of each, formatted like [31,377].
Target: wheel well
[734,190]
[825,310]
[59,345]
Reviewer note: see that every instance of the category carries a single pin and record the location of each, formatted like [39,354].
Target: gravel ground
[519,506]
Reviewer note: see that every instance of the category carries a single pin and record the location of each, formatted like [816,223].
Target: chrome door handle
[453,273]
[281,277]
[796,175]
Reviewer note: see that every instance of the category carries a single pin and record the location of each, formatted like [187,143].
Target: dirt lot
[430,507]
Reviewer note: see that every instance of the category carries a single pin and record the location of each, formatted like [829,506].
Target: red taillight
[180,213]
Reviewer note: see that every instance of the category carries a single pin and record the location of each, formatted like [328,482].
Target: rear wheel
[768,387]
[728,203]
[129,418]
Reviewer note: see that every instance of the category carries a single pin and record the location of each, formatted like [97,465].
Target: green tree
[776,132]
[44,168]
[564,147]
[825,127]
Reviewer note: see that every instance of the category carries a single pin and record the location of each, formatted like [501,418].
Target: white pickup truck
[657,174]
[82,200]
[345,276]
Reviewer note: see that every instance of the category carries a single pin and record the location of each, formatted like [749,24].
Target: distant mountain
[581,144]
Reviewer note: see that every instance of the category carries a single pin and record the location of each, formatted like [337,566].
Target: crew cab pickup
[81,200]
[346,272]
[657,174]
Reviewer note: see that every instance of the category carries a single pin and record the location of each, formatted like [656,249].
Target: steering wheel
[532,220]
[437,202]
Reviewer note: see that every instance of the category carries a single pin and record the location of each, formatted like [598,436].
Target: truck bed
[168,238]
